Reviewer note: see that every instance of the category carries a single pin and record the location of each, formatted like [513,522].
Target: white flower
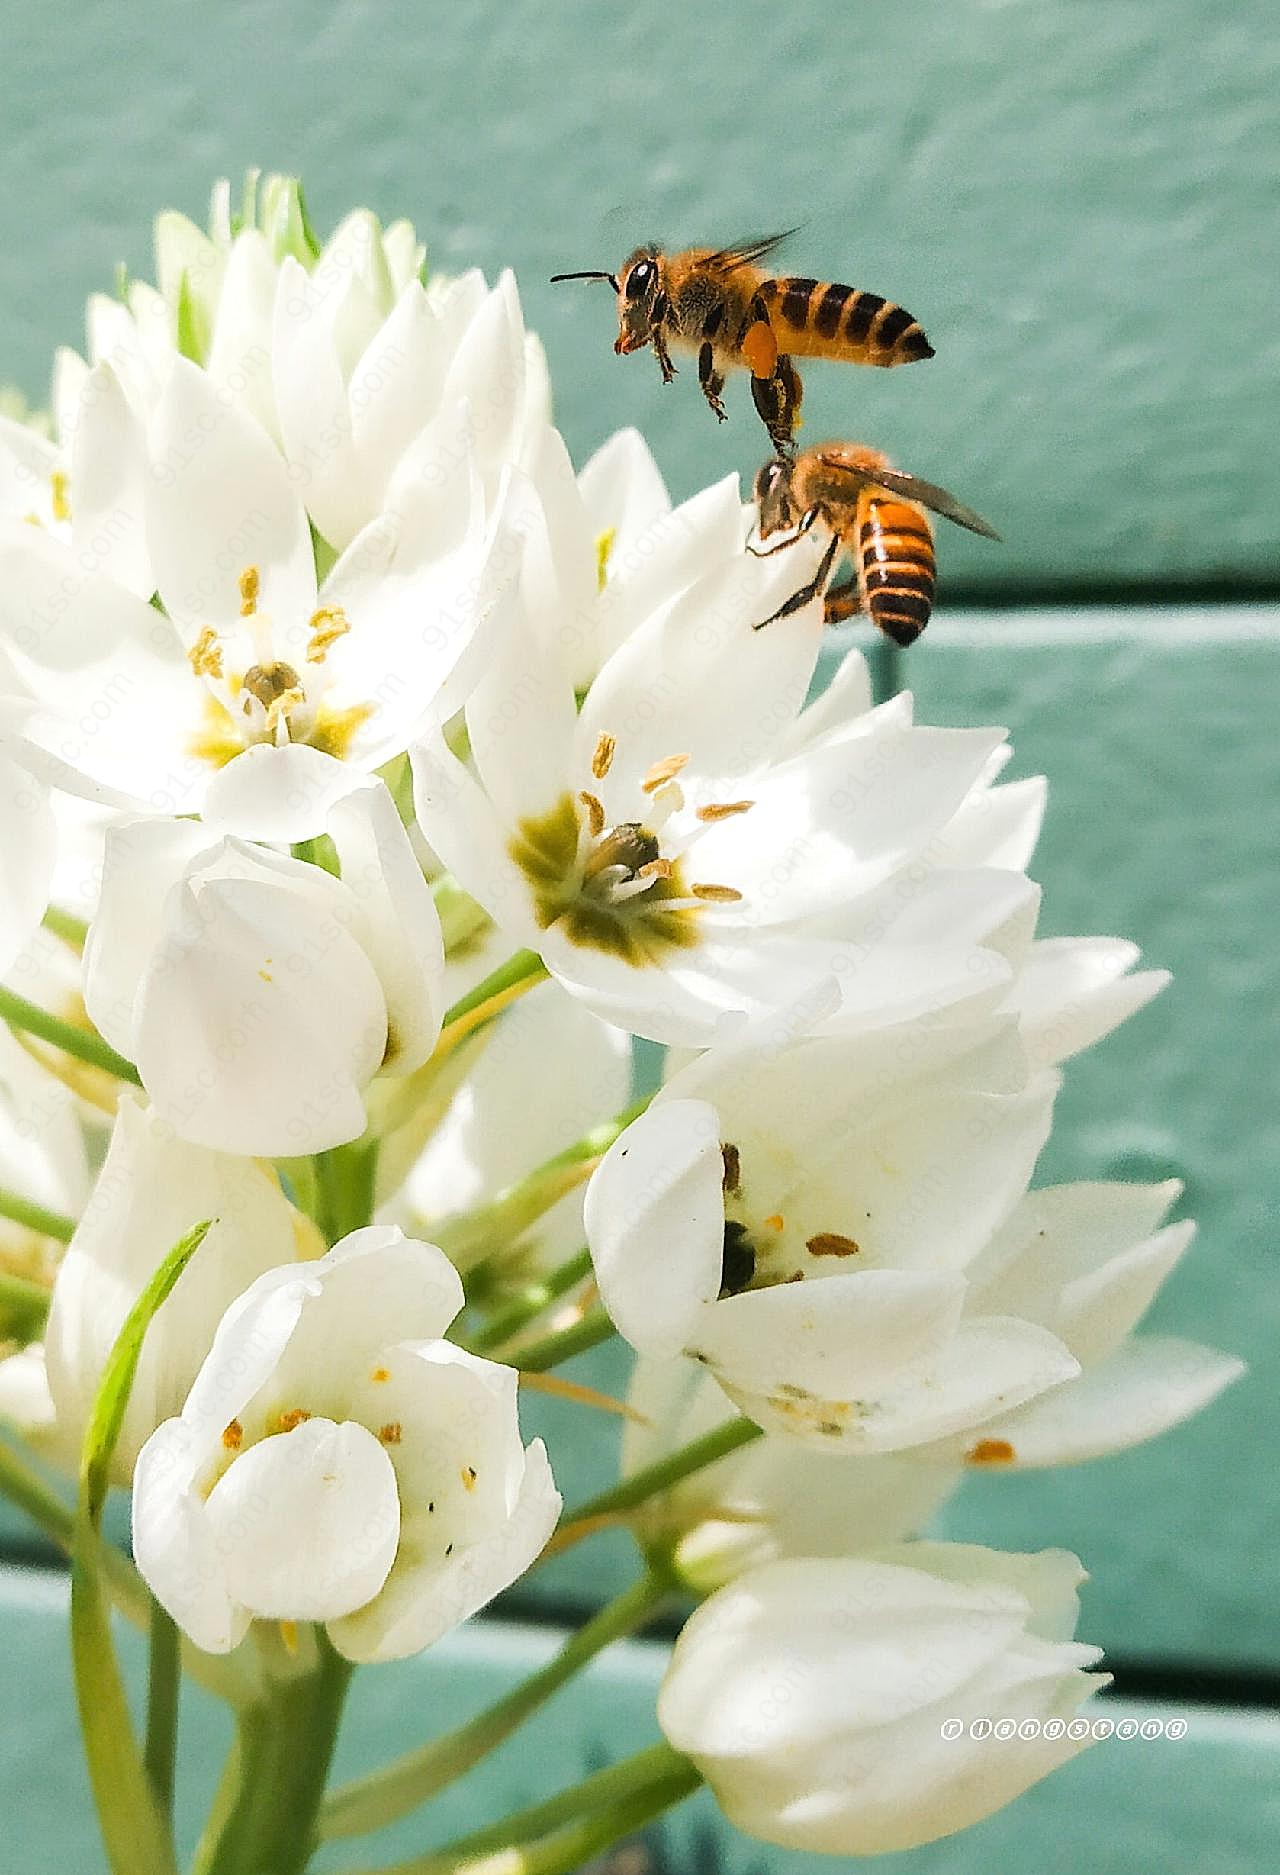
[818,1697]
[26,1403]
[1085,1261]
[668,849]
[336,1461]
[28,847]
[257,994]
[250,658]
[151,1190]
[769,1499]
[801,1218]
[512,1112]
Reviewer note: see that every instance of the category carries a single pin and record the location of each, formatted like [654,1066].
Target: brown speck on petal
[796,1276]
[662,772]
[468,1475]
[595,813]
[829,1243]
[723,810]
[602,757]
[390,1433]
[990,1452]
[294,1417]
[233,1436]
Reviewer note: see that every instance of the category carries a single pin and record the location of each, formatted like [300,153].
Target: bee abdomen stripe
[890,580]
[893,322]
[909,605]
[826,320]
[861,313]
[872,530]
[795,302]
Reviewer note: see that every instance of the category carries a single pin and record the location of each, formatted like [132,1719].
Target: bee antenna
[611,278]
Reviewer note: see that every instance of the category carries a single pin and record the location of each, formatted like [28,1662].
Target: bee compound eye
[639,279]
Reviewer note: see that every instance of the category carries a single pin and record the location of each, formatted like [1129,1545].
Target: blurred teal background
[1078,198]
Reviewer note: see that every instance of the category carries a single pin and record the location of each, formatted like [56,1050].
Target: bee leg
[809,590]
[841,602]
[663,355]
[778,401]
[806,521]
[711,380]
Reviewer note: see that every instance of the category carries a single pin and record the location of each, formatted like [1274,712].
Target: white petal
[1148,1385]
[307,1522]
[846,698]
[221,501]
[654,1213]
[227,1035]
[622,487]
[174,1544]
[396,920]
[239,361]
[311,404]
[25,1400]
[522,720]
[998,826]
[1100,1308]
[28,842]
[1073,991]
[457,817]
[396,385]
[1059,1234]
[142,859]
[280,794]
[108,482]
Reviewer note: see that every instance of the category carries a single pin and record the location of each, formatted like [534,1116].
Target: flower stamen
[723,810]
[328,624]
[595,813]
[59,495]
[602,757]
[663,771]
[717,894]
[249,583]
[205,655]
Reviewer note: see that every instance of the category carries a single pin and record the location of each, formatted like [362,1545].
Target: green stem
[84,1044]
[164,1683]
[531,1303]
[344,1187]
[564,1343]
[35,1216]
[24,1486]
[664,1472]
[67,926]
[563,1831]
[23,1308]
[370,1802]
[264,1820]
[525,964]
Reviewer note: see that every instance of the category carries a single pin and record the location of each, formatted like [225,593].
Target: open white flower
[337,1461]
[257,994]
[153,1187]
[769,1499]
[250,658]
[801,1219]
[1085,1261]
[814,1694]
[666,849]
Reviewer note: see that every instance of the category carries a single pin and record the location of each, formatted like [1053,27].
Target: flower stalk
[84,1044]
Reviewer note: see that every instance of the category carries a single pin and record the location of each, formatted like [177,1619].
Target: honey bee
[876,517]
[721,304]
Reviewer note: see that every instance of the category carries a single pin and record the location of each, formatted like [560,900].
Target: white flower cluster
[328,686]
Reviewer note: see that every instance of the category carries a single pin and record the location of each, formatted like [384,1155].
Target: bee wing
[743,253]
[929,495]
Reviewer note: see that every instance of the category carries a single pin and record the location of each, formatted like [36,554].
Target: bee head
[775,501]
[641,299]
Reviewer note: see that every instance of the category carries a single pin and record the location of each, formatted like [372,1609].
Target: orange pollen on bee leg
[662,772]
[760,349]
[595,814]
[722,810]
[829,1243]
[990,1452]
[390,1433]
[205,655]
[602,759]
[249,585]
[717,894]
[468,1474]
[294,1417]
[233,1436]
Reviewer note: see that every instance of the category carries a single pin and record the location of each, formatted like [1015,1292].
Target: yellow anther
[327,625]
[61,499]
[602,759]
[604,547]
[723,810]
[595,814]
[663,771]
[205,655]
[249,583]
[716,894]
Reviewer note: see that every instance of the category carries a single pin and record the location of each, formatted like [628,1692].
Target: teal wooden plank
[1076,197]
[1127,1806]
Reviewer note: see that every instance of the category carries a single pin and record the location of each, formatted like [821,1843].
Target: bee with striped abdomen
[719,303]
[876,518]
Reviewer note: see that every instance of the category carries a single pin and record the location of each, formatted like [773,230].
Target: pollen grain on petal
[602,755]
[293,1416]
[732,1167]
[249,583]
[380,1376]
[723,810]
[60,495]
[990,1452]
[832,1243]
[390,1434]
[469,1475]
[604,547]
[775,1221]
[233,1435]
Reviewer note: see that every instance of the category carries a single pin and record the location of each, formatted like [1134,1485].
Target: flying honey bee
[720,304]
[876,518]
